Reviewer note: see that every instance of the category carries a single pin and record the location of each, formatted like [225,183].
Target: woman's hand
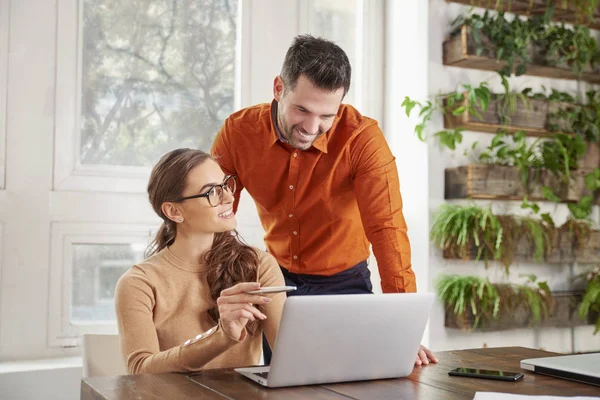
[236,309]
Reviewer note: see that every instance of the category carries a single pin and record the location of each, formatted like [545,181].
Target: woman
[185,308]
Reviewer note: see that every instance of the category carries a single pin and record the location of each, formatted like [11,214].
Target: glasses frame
[206,194]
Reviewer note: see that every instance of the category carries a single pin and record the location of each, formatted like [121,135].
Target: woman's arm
[134,302]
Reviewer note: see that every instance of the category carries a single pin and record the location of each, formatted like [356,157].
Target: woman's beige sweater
[164,301]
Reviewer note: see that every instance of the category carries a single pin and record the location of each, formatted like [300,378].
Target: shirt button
[291,215]
[291,187]
[295,257]
[295,154]
[295,233]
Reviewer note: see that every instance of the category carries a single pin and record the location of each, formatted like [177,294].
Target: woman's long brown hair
[229,260]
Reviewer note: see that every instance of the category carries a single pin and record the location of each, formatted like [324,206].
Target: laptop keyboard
[262,374]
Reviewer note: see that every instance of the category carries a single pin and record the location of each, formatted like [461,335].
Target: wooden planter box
[591,158]
[536,7]
[524,252]
[563,313]
[532,119]
[563,251]
[488,181]
[459,51]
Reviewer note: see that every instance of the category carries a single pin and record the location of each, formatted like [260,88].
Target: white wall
[52,384]
[441,79]
[32,204]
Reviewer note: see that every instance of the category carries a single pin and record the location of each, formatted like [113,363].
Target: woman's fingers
[240,288]
[243,298]
[231,308]
[237,314]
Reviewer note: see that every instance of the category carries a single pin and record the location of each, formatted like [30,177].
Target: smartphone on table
[486,374]
[272,289]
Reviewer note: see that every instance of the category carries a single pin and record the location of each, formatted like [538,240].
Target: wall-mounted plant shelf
[498,182]
[563,12]
[563,313]
[563,250]
[531,118]
[459,51]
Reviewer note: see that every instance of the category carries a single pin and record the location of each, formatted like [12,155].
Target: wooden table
[427,382]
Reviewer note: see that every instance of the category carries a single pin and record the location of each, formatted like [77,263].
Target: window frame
[69,173]
[76,187]
[4,43]
[61,332]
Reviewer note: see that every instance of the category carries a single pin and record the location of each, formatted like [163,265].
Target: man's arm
[377,190]
[221,151]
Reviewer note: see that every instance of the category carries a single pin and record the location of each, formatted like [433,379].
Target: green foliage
[512,41]
[591,298]
[462,292]
[574,115]
[582,209]
[562,154]
[518,153]
[537,296]
[449,103]
[455,229]
[592,180]
[573,46]
[455,226]
[509,39]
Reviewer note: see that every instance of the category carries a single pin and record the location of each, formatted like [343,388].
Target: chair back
[102,355]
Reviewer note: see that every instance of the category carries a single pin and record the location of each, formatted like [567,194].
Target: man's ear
[278,88]
[171,211]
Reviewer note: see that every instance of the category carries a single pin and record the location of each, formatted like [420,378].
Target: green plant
[513,41]
[455,226]
[519,153]
[561,154]
[575,116]
[449,103]
[592,180]
[509,39]
[462,292]
[477,295]
[591,298]
[538,297]
[461,230]
[574,46]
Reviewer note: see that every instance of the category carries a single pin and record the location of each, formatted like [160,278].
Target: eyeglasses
[215,193]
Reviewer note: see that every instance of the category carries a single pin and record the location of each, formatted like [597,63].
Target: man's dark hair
[323,62]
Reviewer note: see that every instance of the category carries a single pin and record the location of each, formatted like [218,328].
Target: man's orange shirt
[321,207]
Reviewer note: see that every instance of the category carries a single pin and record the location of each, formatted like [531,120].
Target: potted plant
[591,299]
[473,302]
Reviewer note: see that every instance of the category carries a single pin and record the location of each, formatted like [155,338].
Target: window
[96,268]
[134,81]
[4,27]
[87,261]
[339,21]
[355,26]
[155,75]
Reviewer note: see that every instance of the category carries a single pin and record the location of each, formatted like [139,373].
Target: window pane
[96,270]
[156,75]
[336,20]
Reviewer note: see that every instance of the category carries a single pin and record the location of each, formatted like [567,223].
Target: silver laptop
[583,368]
[340,338]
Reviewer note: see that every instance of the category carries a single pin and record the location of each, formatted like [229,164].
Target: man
[323,179]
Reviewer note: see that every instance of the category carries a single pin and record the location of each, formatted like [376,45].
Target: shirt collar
[319,144]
